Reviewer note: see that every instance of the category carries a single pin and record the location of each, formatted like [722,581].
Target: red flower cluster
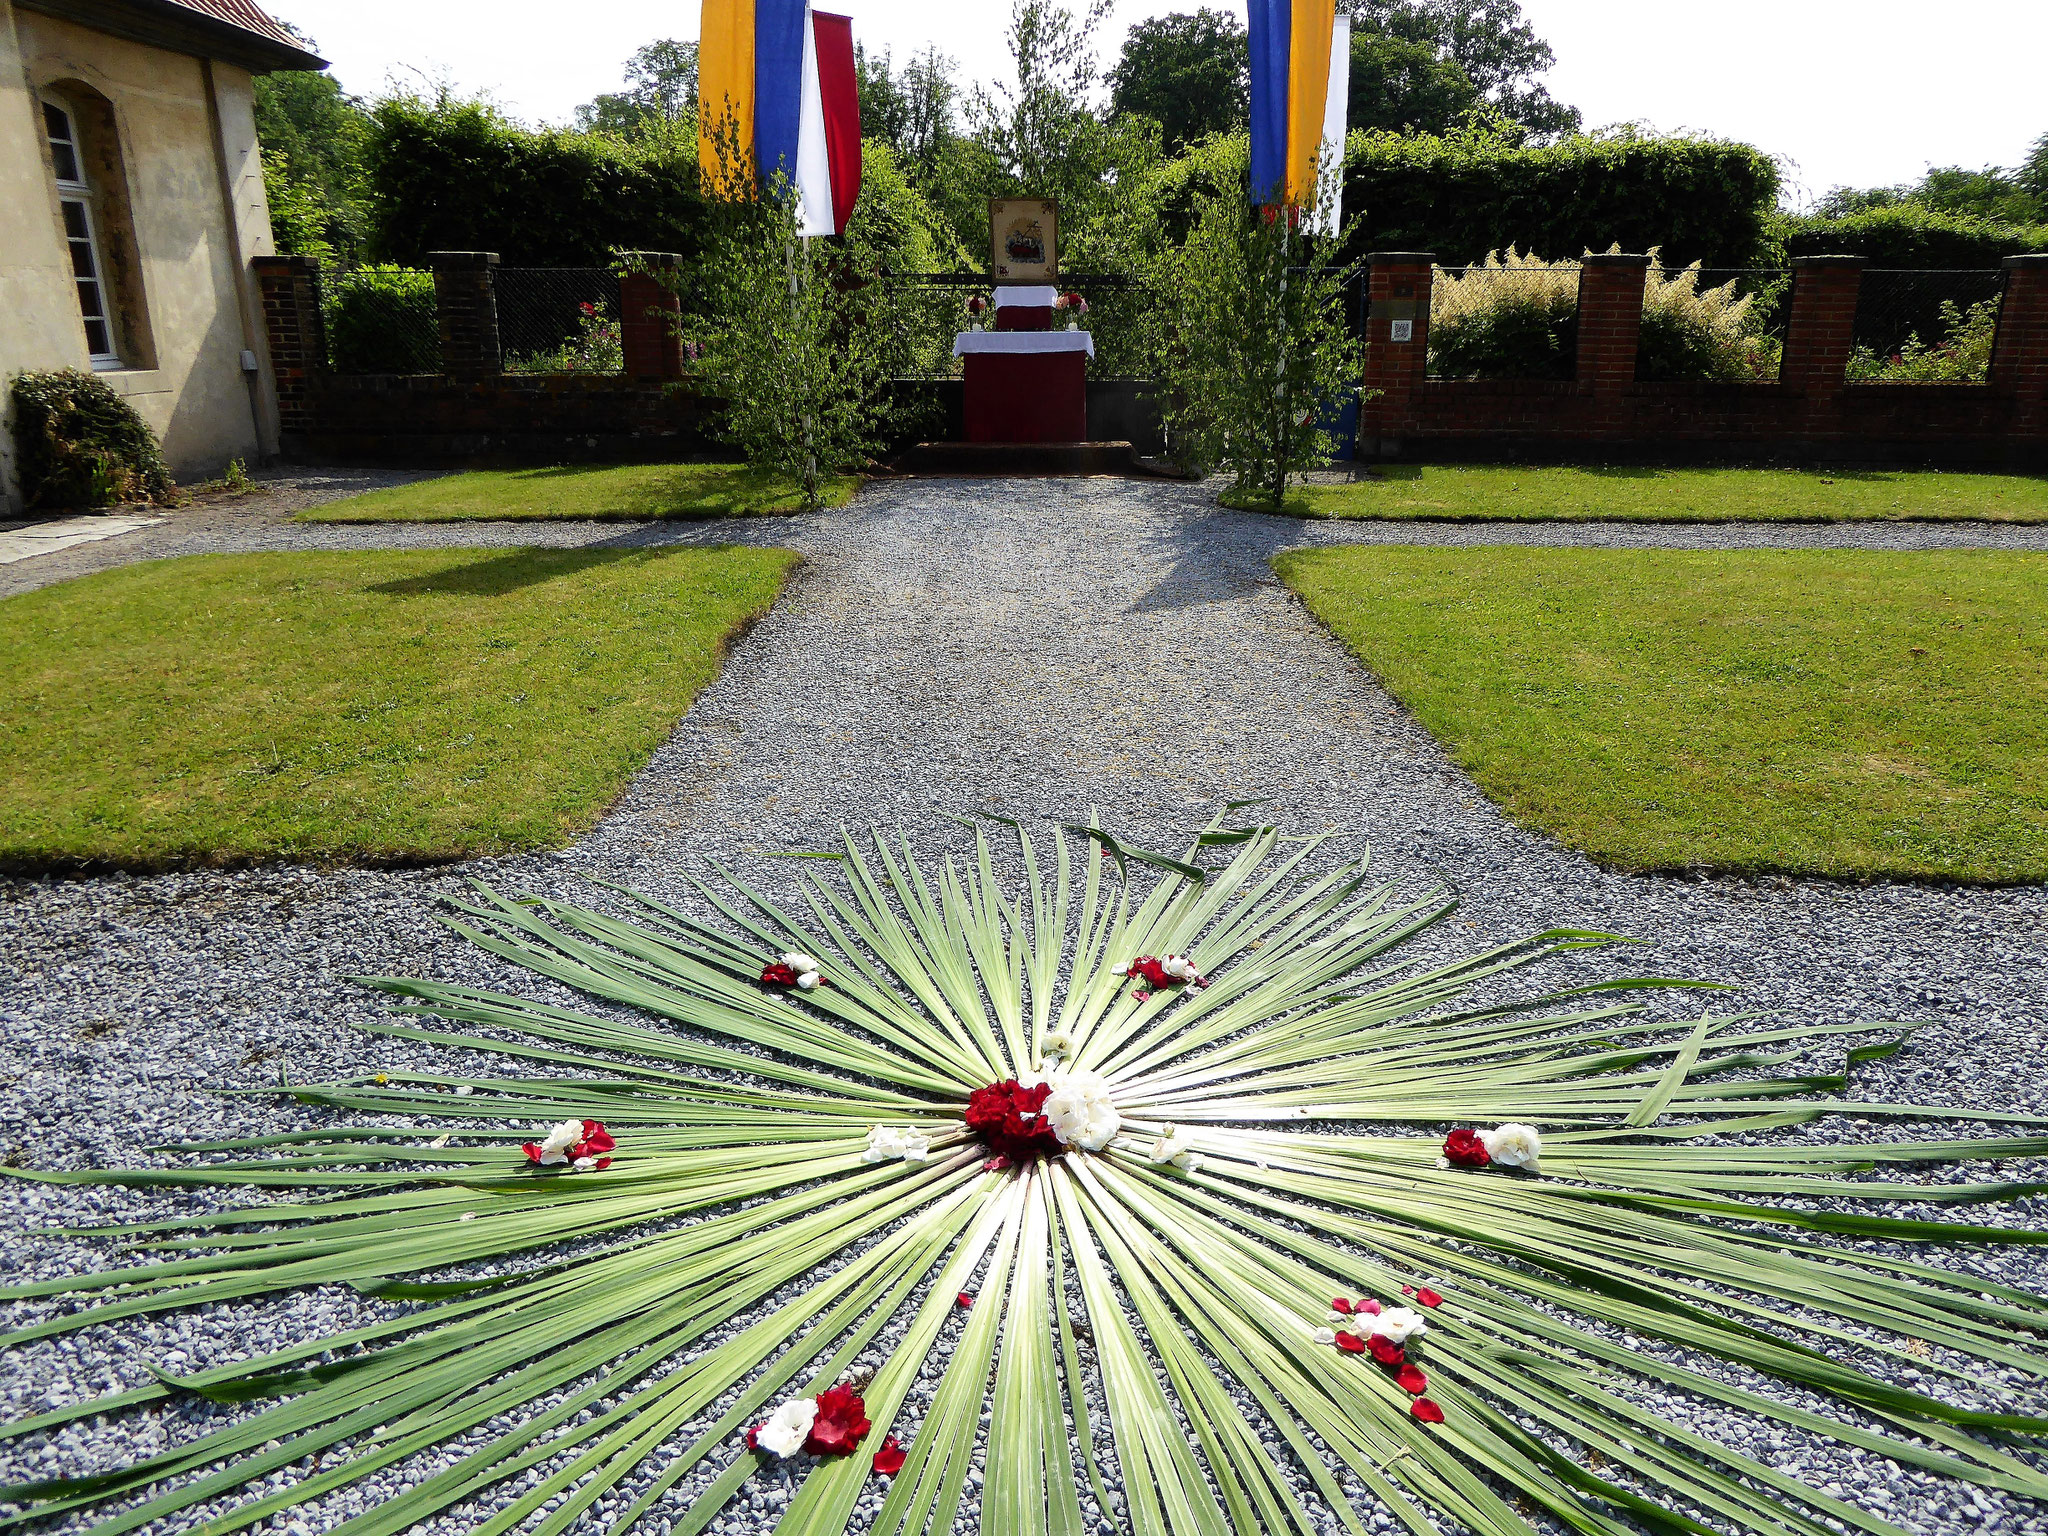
[597,1142]
[842,1420]
[1464,1149]
[1009,1118]
[1388,1355]
[1153,975]
[588,309]
[889,1459]
[778,975]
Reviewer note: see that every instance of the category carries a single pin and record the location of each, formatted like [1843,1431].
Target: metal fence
[1725,324]
[1925,327]
[380,320]
[1504,322]
[921,313]
[560,320]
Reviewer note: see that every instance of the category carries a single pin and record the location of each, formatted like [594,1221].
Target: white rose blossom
[555,1149]
[1080,1110]
[1181,966]
[1514,1146]
[788,1427]
[1399,1324]
[805,967]
[888,1142]
[1176,1147]
[1325,1335]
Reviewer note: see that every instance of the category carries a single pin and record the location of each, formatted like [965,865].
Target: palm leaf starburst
[579,1349]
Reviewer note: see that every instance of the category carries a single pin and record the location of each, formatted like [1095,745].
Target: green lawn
[378,706]
[611,493]
[1466,493]
[1825,712]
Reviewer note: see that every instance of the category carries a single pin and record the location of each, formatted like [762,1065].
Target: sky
[1846,92]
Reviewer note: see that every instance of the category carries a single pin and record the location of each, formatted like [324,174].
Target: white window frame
[78,194]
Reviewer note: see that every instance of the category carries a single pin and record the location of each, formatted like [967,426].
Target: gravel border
[1030,648]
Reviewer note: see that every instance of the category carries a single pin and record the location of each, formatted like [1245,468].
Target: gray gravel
[1033,648]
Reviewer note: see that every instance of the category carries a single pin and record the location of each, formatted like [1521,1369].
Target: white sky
[1862,92]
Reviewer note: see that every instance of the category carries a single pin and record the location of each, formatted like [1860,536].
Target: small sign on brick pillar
[1820,332]
[289,289]
[1610,324]
[466,304]
[650,315]
[1397,345]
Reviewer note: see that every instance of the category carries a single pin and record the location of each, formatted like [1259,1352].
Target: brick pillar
[288,288]
[466,303]
[2019,360]
[1821,331]
[1400,284]
[650,318]
[1610,324]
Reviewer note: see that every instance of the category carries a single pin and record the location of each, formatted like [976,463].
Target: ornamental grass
[1346,1225]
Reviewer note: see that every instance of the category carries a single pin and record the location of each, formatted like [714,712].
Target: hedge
[1468,193]
[78,444]
[1907,237]
[457,176]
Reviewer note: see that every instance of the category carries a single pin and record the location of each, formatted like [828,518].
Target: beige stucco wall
[194,191]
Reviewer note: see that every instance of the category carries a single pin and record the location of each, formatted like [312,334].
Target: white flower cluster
[788,1427]
[1058,1046]
[1396,1324]
[1080,1110]
[1514,1146]
[555,1149]
[888,1142]
[1177,1148]
[805,967]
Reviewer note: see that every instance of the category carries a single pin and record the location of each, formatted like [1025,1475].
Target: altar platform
[1025,382]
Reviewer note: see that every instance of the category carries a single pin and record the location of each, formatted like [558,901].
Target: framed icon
[1024,239]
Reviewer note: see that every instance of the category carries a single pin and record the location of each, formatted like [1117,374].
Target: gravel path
[1033,648]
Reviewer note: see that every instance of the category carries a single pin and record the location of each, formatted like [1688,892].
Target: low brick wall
[506,419]
[1810,414]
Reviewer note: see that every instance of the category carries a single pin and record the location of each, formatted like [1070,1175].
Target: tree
[911,112]
[661,88]
[2016,196]
[1406,87]
[313,135]
[2033,172]
[1489,40]
[1190,72]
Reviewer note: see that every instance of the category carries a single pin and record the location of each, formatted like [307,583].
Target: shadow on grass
[688,491]
[509,572]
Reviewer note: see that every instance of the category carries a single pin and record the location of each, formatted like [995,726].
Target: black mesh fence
[560,320]
[921,313]
[1925,327]
[1504,322]
[1725,324]
[380,320]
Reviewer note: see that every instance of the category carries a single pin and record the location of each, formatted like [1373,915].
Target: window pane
[57,122]
[81,259]
[75,225]
[65,162]
[89,300]
[97,340]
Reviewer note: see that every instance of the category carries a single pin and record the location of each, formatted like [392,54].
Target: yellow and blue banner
[1301,77]
[781,76]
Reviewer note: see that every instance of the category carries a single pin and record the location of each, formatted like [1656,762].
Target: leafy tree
[661,87]
[1489,40]
[2017,196]
[1190,72]
[313,135]
[1258,350]
[2033,171]
[912,111]
[1406,86]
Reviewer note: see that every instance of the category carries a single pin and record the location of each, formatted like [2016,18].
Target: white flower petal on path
[1514,1146]
[1400,1324]
[1080,1110]
[788,1426]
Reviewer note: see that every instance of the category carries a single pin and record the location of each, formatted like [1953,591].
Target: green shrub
[1467,193]
[599,346]
[448,175]
[1962,356]
[1516,317]
[1908,237]
[78,444]
[382,320]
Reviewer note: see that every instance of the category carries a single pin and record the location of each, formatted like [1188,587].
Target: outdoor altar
[1025,381]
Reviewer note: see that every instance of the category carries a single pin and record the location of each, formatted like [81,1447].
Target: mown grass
[1809,712]
[1473,493]
[604,493]
[377,706]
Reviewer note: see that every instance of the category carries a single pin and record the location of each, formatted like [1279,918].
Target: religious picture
[1024,239]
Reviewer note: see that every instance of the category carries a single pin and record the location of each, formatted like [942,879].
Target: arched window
[81,232]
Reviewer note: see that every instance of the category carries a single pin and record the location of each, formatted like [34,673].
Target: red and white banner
[828,129]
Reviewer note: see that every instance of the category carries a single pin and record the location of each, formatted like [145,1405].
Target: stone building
[131,205]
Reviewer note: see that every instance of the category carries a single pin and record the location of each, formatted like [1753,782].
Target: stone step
[1100,458]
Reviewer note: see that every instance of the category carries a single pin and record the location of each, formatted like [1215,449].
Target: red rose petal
[1385,1350]
[1351,1343]
[754,1438]
[1412,1381]
[1428,1298]
[778,975]
[842,1420]
[1464,1149]
[532,1151]
[889,1459]
[1407,1290]
[963,1300]
[1369,1307]
[1426,1411]
[1341,1305]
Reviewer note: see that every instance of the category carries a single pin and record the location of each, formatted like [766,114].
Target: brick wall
[1809,413]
